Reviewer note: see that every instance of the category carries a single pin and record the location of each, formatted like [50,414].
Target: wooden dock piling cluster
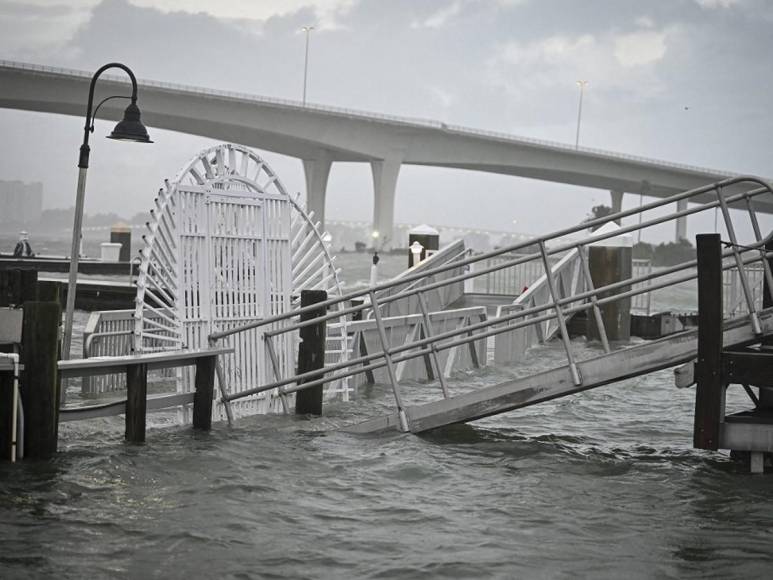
[36,341]
[38,347]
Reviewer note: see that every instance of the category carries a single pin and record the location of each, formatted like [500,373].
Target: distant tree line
[666,254]
[61,218]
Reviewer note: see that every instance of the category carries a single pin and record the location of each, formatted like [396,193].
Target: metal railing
[449,258]
[558,308]
[111,333]
[734,300]
[508,280]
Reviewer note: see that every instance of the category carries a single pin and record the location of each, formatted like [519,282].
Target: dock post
[39,350]
[311,353]
[121,233]
[709,391]
[136,402]
[205,390]
[13,285]
[40,381]
[611,261]
[17,286]
[766,394]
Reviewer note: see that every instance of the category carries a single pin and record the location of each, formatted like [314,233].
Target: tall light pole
[129,129]
[580,84]
[307,30]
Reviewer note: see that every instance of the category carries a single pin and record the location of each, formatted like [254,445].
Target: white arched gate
[228,246]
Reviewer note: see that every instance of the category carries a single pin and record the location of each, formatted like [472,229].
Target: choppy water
[602,484]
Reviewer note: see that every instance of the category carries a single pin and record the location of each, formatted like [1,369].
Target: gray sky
[682,80]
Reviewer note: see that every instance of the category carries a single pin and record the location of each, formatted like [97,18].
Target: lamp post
[307,30]
[580,84]
[128,129]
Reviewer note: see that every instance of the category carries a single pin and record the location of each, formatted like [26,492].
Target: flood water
[603,484]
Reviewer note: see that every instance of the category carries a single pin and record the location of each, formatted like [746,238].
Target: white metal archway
[227,245]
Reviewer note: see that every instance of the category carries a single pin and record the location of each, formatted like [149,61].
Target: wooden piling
[710,390]
[40,381]
[17,286]
[6,414]
[766,394]
[38,354]
[311,353]
[610,264]
[136,402]
[202,398]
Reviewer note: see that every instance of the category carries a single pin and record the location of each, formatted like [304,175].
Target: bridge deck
[602,370]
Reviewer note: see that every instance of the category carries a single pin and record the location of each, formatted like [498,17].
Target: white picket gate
[228,246]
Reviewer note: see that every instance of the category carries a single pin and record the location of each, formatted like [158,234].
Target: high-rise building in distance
[20,203]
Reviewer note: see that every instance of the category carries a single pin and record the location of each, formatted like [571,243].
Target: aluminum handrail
[764,188]
[557,307]
[434,343]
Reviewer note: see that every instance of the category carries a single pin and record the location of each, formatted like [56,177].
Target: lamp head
[131,127]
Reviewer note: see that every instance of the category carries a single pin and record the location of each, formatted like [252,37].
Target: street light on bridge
[580,84]
[130,128]
[307,30]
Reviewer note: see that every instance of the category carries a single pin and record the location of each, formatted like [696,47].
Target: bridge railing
[558,307]
[354,113]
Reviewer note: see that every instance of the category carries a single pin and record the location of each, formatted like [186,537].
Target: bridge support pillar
[317,171]
[385,174]
[681,222]
[617,202]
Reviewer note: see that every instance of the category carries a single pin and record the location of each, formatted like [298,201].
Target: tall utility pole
[580,84]
[307,30]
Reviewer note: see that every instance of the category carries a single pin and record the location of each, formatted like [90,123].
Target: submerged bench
[137,403]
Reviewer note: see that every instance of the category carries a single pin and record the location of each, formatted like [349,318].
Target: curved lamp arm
[102,102]
[83,160]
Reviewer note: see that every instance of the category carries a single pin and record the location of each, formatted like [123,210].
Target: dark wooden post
[202,398]
[40,381]
[766,394]
[609,264]
[17,286]
[709,392]
[311,353]
[6,410]
[39,352]
[136,402]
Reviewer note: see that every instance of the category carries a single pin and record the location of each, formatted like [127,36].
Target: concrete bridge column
[681,222]
[317,171]
[385,174]
[617,202]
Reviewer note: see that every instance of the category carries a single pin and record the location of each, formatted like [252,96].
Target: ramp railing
[737,193]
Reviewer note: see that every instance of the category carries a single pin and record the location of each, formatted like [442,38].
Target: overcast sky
[682,80]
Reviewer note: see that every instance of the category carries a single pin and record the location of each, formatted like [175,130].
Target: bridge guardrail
[396,119]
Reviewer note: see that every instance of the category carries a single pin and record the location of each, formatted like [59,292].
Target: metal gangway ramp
[745,264]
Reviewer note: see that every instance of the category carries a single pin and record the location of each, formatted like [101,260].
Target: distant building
[20,203]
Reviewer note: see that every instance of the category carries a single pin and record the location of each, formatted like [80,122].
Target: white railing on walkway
[738,257]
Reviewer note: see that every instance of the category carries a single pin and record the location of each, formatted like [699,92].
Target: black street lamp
[129,129]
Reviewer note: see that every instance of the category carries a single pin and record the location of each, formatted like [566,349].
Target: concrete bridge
[321,135]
